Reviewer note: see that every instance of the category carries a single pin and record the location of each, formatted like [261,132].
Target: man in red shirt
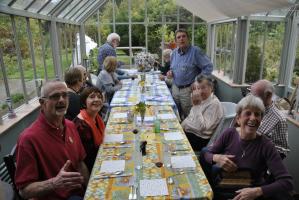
[49,153]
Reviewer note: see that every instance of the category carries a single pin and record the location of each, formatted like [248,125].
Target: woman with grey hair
[242,150]
[205,114]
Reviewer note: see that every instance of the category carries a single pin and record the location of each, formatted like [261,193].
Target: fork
[131,193]
[135,192]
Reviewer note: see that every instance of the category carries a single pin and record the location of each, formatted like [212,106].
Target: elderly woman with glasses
[204,115]
[242,149]
[89,124]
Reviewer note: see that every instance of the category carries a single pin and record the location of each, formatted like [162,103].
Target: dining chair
[229,113]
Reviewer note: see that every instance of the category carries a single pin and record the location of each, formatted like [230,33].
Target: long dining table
[141,161]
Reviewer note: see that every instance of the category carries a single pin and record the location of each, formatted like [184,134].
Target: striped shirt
[274,126]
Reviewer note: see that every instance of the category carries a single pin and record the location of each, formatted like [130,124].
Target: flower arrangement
[144,61]
[140,107]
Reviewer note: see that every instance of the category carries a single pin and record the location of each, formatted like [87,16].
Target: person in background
[164,69]
[89,124]
[108,49]
[186,63]
[108,79]
[49,153]
[205,113]
[243,149]
[85,75]
[274,124]
[74,81]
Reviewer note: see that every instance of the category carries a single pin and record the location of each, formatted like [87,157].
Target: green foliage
[253,64]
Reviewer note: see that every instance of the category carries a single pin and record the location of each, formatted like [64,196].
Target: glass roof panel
[21,4]
[76,9]
[4,2]
[87,10]
[37,5]
[49,7]
[274,13]
[68,8]
[84,9]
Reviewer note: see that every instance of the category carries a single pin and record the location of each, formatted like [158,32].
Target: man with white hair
[274,124]
[108,49]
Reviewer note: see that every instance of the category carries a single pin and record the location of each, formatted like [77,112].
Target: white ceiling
[214,10]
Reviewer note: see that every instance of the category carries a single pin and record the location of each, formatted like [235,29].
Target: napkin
[182,161]
[146,119]
[153,187]
[113,138]
[167,116]
[110,166]
[119,115]
[173,136]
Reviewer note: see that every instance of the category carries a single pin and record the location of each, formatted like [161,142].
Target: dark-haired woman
[89,124]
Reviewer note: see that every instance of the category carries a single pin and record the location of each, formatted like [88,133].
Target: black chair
[10,164]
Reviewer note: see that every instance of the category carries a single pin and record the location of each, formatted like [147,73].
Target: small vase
[142,115]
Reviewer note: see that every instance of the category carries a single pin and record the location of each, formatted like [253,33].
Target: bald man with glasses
[49,153]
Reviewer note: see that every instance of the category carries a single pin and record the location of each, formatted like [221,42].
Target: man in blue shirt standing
[187,62]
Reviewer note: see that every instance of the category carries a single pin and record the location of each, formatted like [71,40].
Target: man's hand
[169,74]
[225,162]
[67,180]
[248,193]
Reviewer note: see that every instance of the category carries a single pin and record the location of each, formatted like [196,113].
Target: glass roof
[66,10]
[74,11]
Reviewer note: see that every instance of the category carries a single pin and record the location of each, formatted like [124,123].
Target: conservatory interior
[245,40]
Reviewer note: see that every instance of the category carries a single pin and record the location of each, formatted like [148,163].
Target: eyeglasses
[56,96]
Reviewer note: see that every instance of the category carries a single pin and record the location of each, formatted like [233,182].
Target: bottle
[157,125]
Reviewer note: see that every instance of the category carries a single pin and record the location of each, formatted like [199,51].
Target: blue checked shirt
[104,51]
[187,65]
[274,126]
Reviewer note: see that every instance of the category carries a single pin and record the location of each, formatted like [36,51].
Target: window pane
[11,65]
[37,5]
[137,12]
[224,49]
[48,50]
[200,35]
[106,13]
[123,55]
[21,4]
[154,14]
[264,50]
[185,15]
[170,11]
[68,9]
[5,2]
[121,11]
[49,7]
[296,67]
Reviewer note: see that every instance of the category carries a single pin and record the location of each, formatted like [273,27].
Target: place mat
[153,187]
[173,136]
[185,161]
[110,166]
[113,138]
